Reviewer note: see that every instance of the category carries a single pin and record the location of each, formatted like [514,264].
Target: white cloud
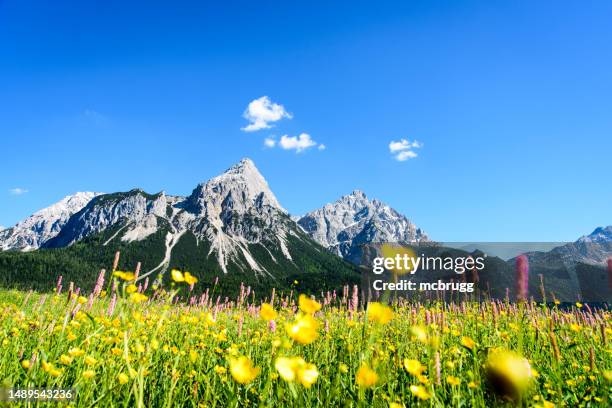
[17,191]
[403,149]
[322,147]
[297,143]
[262,112]
[269,142]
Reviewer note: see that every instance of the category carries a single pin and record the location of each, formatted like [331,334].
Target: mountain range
[231,225]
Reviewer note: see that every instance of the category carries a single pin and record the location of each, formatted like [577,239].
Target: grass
[157,352]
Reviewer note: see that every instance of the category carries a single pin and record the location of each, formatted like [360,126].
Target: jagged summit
[353,220]
[600,234]
[45,224]
[242,185]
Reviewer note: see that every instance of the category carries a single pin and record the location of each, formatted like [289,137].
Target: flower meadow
[130,345]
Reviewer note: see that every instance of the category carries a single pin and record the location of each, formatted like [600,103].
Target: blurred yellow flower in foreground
[304,330]
[242,370]
[508,373]
[420,392]
[467,342]
[366,377]
[267,312]
[379,313]
[292,368]
[308,305]
[419,333]
[414,367]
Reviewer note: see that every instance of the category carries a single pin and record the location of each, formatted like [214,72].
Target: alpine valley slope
[231,226]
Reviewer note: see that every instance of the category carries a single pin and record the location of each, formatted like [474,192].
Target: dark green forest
[311,266]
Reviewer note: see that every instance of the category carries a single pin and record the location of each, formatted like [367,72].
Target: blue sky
[510,102]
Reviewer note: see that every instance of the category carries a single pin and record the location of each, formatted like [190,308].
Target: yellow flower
[46,366]
[177,275]
[366,377]
[220,370]
[190,279]
[414,367]
[25,364]
[343,368]
[575,327]
[509,374]
[292,368]
[64,359]
[193,356]
[88,374]
[116,351]
[472,385]
[131,288]
[467,342]
[76,352]
[267,312]
[138,298]
[139,348]
[123,378]
[420,392]
[396,405]
[304,330]
[308,305]
[453,380]
[242,370]
[126,276]
[419,333]
[82,300]
[90,361]
[579,305]
[55,372]
[379,313]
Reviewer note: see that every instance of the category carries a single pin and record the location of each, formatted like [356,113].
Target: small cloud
[269,142]
[297,143]
[262,112]
[403,149]
[322,147]
[17,191]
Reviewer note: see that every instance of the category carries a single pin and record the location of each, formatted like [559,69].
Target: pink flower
[522,277]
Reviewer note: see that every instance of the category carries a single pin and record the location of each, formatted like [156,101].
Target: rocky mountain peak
[44,224]
[600,234]
[354,219]
[241,187]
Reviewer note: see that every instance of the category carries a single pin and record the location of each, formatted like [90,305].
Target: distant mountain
[353,220]
[229,225]
[576,270]
[43,225]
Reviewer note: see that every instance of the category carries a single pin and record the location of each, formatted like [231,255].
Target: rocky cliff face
[43,225]
[353,220]
[229,213]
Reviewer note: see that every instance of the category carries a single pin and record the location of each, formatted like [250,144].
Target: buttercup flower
[308,305]
[379,313]
[366,377]
[242,370]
